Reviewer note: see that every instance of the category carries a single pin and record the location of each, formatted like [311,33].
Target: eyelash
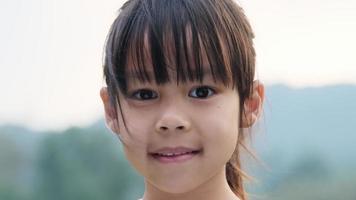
[136,95]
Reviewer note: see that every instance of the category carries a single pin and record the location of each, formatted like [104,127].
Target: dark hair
[176,34]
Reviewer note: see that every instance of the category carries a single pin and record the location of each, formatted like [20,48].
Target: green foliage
[77,164]
[88,164]
[81,164]
[311,178]
[308,148]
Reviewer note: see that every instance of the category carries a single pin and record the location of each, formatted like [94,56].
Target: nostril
[164,128]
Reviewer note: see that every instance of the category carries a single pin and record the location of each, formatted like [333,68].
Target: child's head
[179,73]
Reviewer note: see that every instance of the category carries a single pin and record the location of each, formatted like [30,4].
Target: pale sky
[51,53]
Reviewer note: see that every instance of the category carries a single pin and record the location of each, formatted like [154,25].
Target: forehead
[175,56]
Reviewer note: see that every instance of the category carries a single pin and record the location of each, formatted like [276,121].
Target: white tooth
[165,154]
[172,154]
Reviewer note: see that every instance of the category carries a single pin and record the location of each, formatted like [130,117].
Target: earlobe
[253,106]
[110,117]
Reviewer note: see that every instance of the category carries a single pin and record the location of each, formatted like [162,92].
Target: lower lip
[175,159]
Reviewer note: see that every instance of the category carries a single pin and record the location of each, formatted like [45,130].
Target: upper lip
[174,150]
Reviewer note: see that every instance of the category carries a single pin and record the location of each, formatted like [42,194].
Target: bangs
[178,40]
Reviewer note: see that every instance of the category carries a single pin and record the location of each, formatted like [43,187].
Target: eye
[144,95]
[202,92]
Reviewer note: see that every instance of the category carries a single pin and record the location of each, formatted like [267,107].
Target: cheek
[138,125]
[135,135]
[225,132]
[221,129]
[135,138]
[136,157]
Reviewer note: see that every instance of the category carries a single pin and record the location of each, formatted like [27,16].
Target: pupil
[146,94]
[202,92]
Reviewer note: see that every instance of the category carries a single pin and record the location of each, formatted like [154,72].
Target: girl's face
[179,136]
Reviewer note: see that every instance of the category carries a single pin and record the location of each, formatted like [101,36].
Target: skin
[176,115]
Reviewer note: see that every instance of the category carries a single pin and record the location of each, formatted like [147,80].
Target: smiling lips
[174,155]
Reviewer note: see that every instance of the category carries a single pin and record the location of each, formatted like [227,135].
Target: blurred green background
[306,141]
[50,73]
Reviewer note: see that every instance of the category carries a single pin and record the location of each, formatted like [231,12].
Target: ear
[110,116]
[253,106]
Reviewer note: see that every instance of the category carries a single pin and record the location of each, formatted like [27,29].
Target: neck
[214,188]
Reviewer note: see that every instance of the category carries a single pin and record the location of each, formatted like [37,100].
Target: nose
[173,120]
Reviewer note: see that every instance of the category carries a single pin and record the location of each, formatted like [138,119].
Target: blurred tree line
[88,164]
[78,164]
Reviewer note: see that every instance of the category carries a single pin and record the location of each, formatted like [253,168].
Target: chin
[174,186]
